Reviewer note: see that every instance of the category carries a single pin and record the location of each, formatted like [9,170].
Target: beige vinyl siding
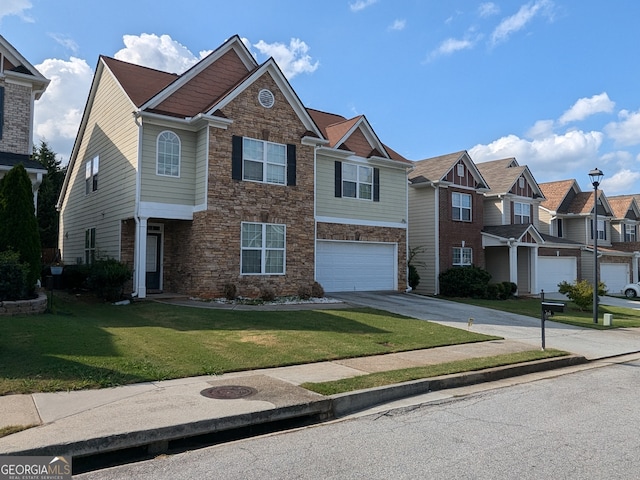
[202,140]
[392,206]
[497,260]
[524,269]
[166,189]
[544,223]
[422,233]
[492,212]
[586,266]
[116,177]
[577,230]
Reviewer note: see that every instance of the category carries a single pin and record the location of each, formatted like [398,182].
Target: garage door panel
[615,276]
[553,270]
[356,266]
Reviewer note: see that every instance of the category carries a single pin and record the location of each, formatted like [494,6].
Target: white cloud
[488,9]
[59,110]
[15,7]
[398,25]
[585,107]
[361,5]
[292,59]
[66,42]
[621,182]
[518,21]
[627,130]
[159,52]
[450,46]
[549,155]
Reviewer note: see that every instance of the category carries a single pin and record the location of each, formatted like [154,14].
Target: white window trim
[91,170]
[90,250]
[158,155]
[462,251]
[630,233]
[460,168]
[265,162]
[520,215]
[263,249]
[358,182]
[461,207]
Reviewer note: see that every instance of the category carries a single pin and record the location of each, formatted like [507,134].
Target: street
[582,425]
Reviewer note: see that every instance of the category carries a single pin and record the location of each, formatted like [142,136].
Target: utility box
[608,319]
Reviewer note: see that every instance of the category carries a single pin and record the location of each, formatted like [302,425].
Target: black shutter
[236,158]
[338,179]
[376,184]
[1,109]
[291,165]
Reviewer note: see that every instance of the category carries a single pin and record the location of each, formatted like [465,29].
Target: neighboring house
[510,235]
[445,216]
[220,176]
[624,227]
[567,212]
[20,86]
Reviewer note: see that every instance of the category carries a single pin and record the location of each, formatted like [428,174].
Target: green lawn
[622,317]
[87,345]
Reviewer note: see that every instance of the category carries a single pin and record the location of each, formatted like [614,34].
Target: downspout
[406,236]
[136,214]
[437,236]
[315,212]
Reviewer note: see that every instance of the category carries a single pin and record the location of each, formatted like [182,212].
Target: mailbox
[552,307]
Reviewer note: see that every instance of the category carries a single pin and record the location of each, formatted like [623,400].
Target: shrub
[107,278]
[464,282]
[13,277]
[74,277]
[230,291]
[267,294]
[581,293]
[316,290]
[494,291]
[304,292]
[414,277]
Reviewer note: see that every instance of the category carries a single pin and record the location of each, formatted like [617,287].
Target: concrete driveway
[588,342]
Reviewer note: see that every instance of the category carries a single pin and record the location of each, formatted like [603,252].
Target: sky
[553,83]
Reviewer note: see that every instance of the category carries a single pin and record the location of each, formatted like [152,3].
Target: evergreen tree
[18,223]
[48,216]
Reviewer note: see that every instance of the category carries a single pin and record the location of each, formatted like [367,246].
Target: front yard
[89,345]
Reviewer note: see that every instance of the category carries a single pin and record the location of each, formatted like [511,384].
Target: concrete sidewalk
[153,415]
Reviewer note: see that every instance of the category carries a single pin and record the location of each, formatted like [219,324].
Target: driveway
[588,342]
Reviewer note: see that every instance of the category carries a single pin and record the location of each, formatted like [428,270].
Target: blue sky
[553,83]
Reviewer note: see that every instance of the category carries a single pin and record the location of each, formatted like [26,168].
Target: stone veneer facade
[17,119]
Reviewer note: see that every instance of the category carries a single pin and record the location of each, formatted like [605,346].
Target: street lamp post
[596,177]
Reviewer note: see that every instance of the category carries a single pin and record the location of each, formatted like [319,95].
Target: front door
[153,261]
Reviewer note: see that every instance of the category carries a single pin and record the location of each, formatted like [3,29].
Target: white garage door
[615,276]
[553,270]
[356,266]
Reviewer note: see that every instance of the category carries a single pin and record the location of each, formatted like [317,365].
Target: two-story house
[567,212]
[20,86]
[220,176]
[510,235]
[446,198]
[624,228]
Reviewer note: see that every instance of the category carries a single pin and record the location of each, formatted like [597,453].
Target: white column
[513,261]
[534,270]
[141,260]
[634,263]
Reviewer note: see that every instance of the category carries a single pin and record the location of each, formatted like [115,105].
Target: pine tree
[18,223]
[48,216]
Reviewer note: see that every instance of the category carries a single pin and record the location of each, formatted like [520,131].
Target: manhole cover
[228,392]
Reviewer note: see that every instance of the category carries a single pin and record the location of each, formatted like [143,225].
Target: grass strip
[380,379]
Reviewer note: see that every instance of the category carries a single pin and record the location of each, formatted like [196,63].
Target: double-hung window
[602,232]
[91,175]
[168,154]
[461,206]
[89,245]
[264,161]
[521,213]
[629,233]
[462,257]
[357,181]
[263,249]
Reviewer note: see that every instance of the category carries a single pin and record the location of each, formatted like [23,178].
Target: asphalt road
[582,425]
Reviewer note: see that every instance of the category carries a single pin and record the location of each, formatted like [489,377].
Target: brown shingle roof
[555,193]
[501,174]
[582,203]
[620,205]
[434,169]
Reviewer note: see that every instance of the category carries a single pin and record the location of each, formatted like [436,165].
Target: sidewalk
[153,415]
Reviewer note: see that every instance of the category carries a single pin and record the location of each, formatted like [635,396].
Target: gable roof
[582,204]
[621,204]
[515,231]
[502,175]
[436,168]
[556,192]
[15,66]
[9,160]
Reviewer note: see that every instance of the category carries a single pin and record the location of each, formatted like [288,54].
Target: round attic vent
[266,98]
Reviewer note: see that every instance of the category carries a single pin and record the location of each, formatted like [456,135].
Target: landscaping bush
[581,293]
[414,277]
[107,278]
[304,292]
[74,277]
[267,294]
[316,290]
[230,291]
[13,277]
[464,282]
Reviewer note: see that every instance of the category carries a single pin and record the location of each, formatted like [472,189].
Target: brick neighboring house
[220,176]
[514,246]
[446,213]
[624,228]
[567,213]
[20,86]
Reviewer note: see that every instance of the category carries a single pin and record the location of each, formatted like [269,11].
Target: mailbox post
[548,309]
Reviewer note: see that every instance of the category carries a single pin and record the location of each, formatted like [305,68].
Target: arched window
[168,154]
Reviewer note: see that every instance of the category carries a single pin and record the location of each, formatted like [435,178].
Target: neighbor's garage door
[356,266]
[615,276]
[553,270]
